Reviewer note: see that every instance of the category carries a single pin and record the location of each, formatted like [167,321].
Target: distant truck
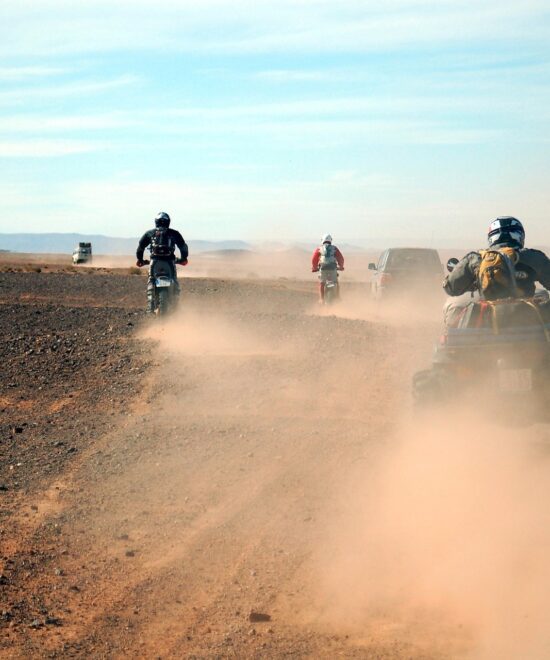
[402,271]
[82,253]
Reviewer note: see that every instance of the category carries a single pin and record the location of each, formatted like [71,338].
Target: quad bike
[498,354]
[163,288]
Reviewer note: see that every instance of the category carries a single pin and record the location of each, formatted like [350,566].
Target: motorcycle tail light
[385,278]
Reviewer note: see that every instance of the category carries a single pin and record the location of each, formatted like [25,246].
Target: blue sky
[279,120]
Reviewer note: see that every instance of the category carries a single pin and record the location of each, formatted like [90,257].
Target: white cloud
[297,75]
[46,148]
[78,88]
[31,72]
[318,125]
[382,104]
[246,26]
[44,124]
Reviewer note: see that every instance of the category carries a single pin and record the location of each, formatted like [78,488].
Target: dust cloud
[109,261]
[447,537]
[195,332]
[356,303]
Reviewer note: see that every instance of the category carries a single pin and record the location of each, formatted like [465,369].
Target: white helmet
[327,238]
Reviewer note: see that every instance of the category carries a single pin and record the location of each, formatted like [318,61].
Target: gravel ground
[165,487]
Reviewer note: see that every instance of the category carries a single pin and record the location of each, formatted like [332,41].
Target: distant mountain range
[65,244]
[61,243]
[109,245]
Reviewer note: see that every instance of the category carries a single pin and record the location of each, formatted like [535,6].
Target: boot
[150,302]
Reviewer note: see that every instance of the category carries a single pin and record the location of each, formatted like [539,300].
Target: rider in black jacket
[161,250]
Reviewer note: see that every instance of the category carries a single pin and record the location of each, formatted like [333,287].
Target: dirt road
[184,489]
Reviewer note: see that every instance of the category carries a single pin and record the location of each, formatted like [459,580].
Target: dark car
[406,270]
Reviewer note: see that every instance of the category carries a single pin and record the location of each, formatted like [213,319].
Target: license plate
[163,282]
[515,380]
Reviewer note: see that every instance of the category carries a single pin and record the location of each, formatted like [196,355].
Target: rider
[532,265]
[163,242]
[327,259]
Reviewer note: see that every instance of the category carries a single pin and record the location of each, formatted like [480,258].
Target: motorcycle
[331,287]
[497,352]
[163,285]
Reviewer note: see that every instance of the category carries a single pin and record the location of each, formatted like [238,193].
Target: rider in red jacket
[326,260]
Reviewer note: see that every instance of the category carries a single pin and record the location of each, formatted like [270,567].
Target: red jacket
[317,256]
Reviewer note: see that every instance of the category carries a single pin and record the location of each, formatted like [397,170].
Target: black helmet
[162,220]
[506,231]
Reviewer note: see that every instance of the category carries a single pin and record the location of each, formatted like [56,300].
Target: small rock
[53,621]
[130,553]
[58,571]
[257,617]
[36,624]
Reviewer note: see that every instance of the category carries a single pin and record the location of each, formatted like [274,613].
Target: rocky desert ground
[247,480]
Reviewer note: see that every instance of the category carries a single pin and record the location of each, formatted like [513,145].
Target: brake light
[385,278]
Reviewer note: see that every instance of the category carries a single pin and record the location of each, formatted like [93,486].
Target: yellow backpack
[496,275]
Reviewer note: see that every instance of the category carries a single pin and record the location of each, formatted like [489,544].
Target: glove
[314,270]
[139,263]
[341,268]
[182,262]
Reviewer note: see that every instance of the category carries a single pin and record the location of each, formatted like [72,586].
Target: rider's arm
[540,264]
[339,258]
[181,244]
[315,259]
[463,276]
[144,241]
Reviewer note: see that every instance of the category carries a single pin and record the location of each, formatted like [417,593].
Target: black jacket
[533,266]
[176,237]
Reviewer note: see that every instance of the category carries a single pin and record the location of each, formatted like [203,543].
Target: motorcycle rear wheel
[331,295]
[163,302]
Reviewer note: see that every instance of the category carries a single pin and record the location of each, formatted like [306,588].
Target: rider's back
[162,242]
[327,259]
[531,266]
